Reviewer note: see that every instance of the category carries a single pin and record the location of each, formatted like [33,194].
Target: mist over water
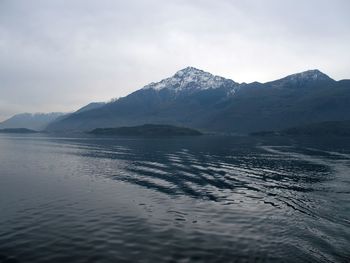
[211,198]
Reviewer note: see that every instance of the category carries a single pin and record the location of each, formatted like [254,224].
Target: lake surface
[203,199]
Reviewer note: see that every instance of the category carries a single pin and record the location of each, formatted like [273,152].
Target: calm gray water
[207,199]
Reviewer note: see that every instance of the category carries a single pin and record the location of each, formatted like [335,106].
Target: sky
[58,55]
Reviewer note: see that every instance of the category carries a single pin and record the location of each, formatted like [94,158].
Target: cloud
[59,55]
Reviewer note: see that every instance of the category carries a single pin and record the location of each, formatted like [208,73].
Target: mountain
[189,93]
[37,121]
[197,99]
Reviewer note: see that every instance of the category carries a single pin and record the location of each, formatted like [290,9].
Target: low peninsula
[148,130]
[326,128]
[17,130]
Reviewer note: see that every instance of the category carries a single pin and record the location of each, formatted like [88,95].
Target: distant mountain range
[197,99]
[40,121]
[37,121]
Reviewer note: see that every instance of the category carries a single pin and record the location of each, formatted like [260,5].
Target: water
[205,199]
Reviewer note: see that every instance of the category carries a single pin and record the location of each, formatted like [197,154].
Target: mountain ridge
[198,99]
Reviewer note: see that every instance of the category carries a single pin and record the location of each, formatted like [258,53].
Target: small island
[148,130]
[17,130]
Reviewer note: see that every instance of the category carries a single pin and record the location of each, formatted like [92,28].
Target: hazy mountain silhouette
[36,121]
[40,121]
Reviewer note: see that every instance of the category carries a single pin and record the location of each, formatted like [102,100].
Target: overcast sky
[58,55]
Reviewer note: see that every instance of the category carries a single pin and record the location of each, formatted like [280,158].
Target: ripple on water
[174,200]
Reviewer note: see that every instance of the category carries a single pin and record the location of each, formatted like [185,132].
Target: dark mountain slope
[274,107]
[91,106]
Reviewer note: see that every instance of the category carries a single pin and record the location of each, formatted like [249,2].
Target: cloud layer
[59,55]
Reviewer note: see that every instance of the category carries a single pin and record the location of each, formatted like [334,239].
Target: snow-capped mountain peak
[191,78]
[313,74]
[301,79]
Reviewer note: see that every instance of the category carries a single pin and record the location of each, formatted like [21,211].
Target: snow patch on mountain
[314,74]
[191,78]
[301,79]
